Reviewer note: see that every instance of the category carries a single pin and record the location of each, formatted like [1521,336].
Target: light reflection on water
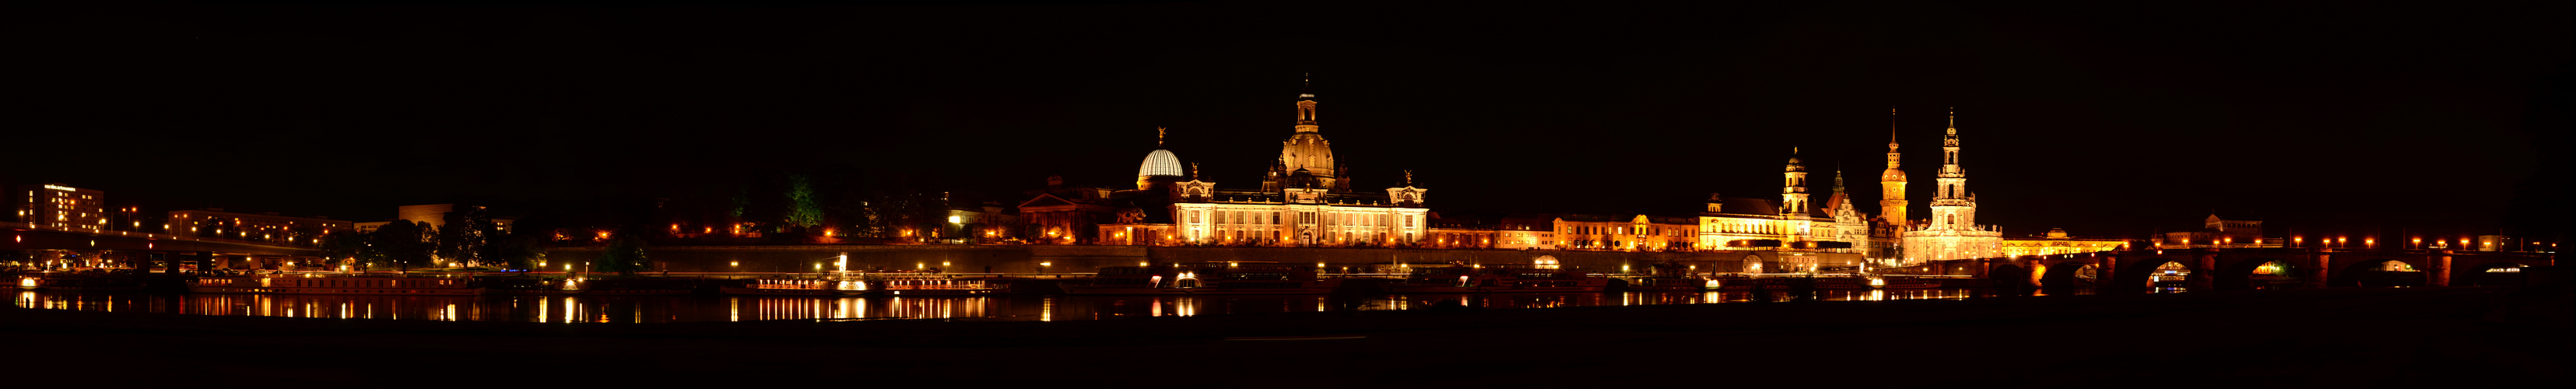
[665,309]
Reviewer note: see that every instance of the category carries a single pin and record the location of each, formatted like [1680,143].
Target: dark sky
[2107,121]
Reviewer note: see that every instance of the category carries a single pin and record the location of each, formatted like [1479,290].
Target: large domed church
[1305,200]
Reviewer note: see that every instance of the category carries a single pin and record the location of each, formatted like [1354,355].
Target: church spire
[1306,105]
[1838,178]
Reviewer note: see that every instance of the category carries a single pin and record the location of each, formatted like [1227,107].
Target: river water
[668,309]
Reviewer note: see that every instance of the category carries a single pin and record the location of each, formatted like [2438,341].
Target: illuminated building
[437,215]
[259,227]
[1305,200]
[2217,232]
[1888,236]
[2057,242]
[56,206]
[1952,231]
[1791,224]
[1061,214]
[1627,233]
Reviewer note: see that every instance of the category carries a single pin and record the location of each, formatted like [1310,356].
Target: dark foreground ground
[2341,338]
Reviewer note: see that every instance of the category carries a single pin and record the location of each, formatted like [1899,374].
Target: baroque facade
[1952,231]
[1305,200]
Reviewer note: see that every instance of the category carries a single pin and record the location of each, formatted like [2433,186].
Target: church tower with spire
[1793,193]
[1952,232]
[1953,207]
[1891,184]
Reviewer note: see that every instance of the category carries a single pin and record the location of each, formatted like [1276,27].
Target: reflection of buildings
[1306,199]
[1952,231]
[55,206]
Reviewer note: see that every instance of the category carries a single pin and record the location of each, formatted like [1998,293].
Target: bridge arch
[2258,274]
[2159,274]
[2009,278]
[2382,272]
[2068,276]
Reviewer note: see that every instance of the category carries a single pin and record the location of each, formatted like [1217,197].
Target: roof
[1748,206]
[1160,163]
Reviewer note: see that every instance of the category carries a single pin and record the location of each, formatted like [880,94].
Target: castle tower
[1793,195]
[1305,150]
[1891,184]
[1952,206]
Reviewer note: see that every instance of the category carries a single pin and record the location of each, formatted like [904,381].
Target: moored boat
[798,287]
[80,282]
[313,284]
[930,285]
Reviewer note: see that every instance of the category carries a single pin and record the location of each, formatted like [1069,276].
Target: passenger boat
[1487,279]
[80,282]
[798,287]
[309,284]
[1211,278]
[929,285]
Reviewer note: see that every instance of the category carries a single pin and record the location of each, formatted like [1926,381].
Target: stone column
[2106,275]
[2204,261]
[2441,270]
[2321,265]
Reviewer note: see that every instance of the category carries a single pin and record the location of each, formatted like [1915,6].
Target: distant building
[1061,214]
[2217,232]
[1306,199]
[266,227]
[1952,231]
[2057,242]
[437,215]
[60,207]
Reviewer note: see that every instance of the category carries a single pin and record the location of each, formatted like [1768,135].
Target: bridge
[94,248]
[2245,269]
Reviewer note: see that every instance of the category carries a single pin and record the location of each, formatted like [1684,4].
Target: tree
[802,210]
[467,239]
[406,243]
[625,255]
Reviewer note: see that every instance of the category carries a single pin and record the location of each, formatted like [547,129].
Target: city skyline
[2066,144]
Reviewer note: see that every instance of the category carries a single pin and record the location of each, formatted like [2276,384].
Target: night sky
[2109,121]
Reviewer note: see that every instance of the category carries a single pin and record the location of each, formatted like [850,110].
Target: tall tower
[1305,150]
[1793,193]
[1891,184]
[1952,207]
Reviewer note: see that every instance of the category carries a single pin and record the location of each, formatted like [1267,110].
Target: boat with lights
[1496,279]
[76,282]
[797,287]
[1207,278]
[316,284]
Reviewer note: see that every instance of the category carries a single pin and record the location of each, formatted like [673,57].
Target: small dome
[1892,174]
[1160,163]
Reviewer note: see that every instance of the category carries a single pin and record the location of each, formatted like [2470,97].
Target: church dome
[1160,163]
[1892,174]
[1309,151]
